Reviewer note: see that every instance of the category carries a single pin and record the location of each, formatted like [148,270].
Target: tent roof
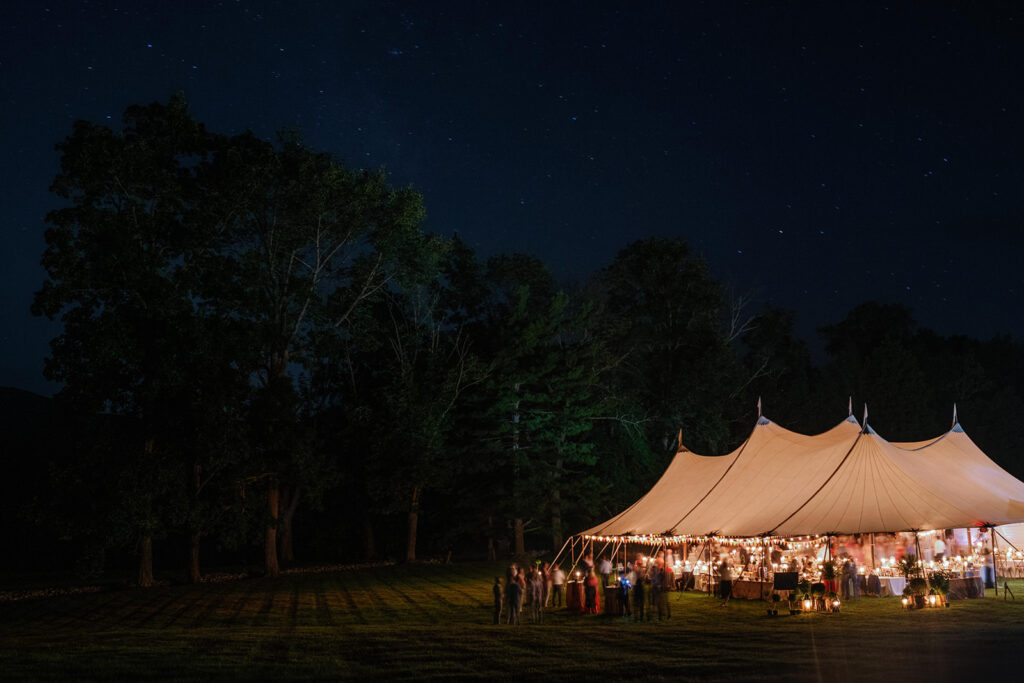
[846,480]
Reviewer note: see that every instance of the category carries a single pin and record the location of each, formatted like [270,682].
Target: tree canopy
[262,348]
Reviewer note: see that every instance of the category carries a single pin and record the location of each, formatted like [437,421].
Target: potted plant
[773,606]
[940,587]
[908,598]
[832,602]
[796,602]
[818,591]
[918,587]
[908,566]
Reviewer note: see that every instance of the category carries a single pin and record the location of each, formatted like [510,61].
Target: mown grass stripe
[322,607]
[244,598]
[217,598]
[152,614]
[262,616]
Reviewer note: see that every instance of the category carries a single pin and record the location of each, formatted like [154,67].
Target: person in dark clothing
[623,596]
[514,591]
[847,577]
[499,599]
[639,598]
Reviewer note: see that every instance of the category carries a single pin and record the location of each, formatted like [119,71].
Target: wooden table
[611,600]
[751,590]
[970,587]
[574,596]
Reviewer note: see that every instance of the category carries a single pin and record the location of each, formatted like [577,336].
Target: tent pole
[995,560]
[707,544]
[555,561]
[764,567]
[1007,541]
[873,565]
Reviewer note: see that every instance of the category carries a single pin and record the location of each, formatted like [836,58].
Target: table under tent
[785,503]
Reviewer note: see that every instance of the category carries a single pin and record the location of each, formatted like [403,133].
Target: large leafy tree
[668,319]
[308,241]
[533,418]
[119,260]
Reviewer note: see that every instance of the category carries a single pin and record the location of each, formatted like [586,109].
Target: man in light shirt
[939,549]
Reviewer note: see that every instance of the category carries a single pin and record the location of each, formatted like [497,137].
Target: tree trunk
[270,541]
[556,509]
[518,533]
[556,521]
[491,554]
[145,561]
[290,502]
[369,540]
[414,507]
[194,575]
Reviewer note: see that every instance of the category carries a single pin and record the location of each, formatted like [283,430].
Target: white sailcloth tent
[847,480]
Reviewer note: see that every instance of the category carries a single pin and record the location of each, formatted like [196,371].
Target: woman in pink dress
[592,601]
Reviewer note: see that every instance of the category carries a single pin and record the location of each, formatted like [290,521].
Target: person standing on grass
[545,577]
[605,569]
[655,573]
[639,596]
[591,603]
[511,576]
[499,600]
[514,594]
[846,577]
[535,589]
[725,580]
[623,596]
[557,586]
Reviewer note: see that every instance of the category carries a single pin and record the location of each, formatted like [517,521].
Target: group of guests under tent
[846,498]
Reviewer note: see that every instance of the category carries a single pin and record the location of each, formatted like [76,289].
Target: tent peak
[852,419]
[762,420]
[957,428]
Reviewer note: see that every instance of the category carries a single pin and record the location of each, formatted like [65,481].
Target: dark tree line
[262,348]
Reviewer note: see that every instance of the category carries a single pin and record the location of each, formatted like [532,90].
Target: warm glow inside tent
[847,480]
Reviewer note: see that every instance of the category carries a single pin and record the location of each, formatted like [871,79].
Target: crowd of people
[533,587]
[640,589]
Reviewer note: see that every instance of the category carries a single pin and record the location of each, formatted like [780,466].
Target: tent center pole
[995,560]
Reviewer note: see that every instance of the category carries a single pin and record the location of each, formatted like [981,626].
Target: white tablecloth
[892,585]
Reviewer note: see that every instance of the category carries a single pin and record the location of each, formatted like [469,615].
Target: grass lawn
[434,621]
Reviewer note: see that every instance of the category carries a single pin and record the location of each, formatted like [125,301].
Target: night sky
[817,156]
